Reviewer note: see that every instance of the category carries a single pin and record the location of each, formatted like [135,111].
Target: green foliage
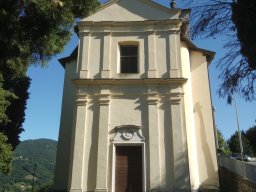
[224,149]
[234,145]
[31,32]
[82,8]
[244,18]
[34,162]
[47,188]
[35,30]
[5,101]
[235,22]
[251,136]
[6,155]
[16,109]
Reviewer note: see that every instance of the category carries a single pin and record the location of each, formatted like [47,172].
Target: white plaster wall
[189,117]
[166,148]
[162,54]
[127,106]
[64,152]
[115,61]
[126,111]
[96,55]
[90,155]
[159,46]
[206,151]
[176,128]
[132,10]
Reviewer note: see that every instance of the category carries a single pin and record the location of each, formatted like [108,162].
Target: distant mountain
[33,166]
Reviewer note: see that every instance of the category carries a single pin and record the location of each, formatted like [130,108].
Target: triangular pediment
[132,10]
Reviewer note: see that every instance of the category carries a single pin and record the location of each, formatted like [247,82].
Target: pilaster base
[152,74]
[83,74]
[101,190]
[105,74]
[174,73]
[76,190]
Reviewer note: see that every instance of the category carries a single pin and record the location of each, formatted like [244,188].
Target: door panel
[128,169]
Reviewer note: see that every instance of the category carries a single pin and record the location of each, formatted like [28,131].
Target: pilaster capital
[81,99]
[107,33]
[151,32]
[175,98]
[151,29]
[173,31]
[104,99]
[84,33]
[152,98]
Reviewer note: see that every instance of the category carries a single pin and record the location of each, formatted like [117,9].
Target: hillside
[33,165]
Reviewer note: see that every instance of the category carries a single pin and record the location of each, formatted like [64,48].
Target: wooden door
[128,169]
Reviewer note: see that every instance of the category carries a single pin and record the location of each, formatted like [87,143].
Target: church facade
[136,112]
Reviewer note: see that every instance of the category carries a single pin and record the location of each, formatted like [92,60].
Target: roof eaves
[67,59]
[209,54]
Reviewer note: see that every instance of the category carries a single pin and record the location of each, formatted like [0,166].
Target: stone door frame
[128,135]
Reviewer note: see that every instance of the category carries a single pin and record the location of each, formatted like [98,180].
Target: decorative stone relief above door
[128,133]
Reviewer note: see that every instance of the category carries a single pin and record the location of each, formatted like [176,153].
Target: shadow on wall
[92,165]
[210,180]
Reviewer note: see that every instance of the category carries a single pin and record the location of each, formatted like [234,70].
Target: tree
[6,154]
[222,144]
[32,32]
[16,110]
[234,20]
[251,136]
[5,97]
[234,145]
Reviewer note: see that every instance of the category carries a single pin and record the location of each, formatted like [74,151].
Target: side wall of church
[62,171]
[204,129]
[189,118]
[198,113]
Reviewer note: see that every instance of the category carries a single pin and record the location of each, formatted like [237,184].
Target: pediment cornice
[121,26]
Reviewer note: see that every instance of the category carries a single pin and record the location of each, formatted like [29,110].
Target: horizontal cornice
[153,81]
[116,26]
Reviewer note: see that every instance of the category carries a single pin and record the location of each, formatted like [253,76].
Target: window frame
[123,44]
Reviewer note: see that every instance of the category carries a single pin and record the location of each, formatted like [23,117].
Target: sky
[44,105]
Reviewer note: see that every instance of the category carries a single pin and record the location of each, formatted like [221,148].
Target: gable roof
[132,10]
[139,10]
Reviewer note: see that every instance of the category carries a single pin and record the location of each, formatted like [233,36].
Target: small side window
[129,58]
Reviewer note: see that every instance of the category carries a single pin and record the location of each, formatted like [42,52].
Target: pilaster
[103,143]
[181,174]
[153,139]
[83,54]
[79,144]
[174,52]
[151,73]
[105,73]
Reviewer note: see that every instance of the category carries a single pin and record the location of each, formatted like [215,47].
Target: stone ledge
[230,181]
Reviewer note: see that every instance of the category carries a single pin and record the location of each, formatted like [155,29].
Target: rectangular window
[129,58]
